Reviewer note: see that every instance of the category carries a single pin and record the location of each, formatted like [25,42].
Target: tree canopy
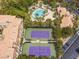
[31,57]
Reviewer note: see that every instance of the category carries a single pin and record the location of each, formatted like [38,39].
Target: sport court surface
[27,47]
[40,34]
[37,49]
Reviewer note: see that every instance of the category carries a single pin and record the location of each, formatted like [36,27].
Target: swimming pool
[38,13]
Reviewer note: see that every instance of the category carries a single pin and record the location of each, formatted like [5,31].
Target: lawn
[25,48]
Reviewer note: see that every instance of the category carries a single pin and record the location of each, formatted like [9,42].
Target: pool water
[38,13]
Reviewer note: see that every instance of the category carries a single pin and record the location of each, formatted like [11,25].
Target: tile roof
[10,34]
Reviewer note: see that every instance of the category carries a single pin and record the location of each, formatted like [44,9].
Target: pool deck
[48,15]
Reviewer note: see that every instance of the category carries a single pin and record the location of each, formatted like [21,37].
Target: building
[71,48]
[67,17]
[10,36]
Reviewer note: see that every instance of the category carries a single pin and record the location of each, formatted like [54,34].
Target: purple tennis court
[40,34]
[39,50]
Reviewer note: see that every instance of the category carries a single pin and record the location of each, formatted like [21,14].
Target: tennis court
[36,49]
[40,50]
[38,45]
[38,33]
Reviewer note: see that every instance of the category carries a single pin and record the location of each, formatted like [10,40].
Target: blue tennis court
[40,34]
[40,50]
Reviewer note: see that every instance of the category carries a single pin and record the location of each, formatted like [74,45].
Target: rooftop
[72,48]
[67,19]
[11,25]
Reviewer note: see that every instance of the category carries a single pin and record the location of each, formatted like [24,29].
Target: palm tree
[49,22]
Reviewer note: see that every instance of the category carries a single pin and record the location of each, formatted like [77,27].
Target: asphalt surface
[71,52]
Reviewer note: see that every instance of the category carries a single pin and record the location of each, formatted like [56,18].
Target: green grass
[53,51]
[25,48]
